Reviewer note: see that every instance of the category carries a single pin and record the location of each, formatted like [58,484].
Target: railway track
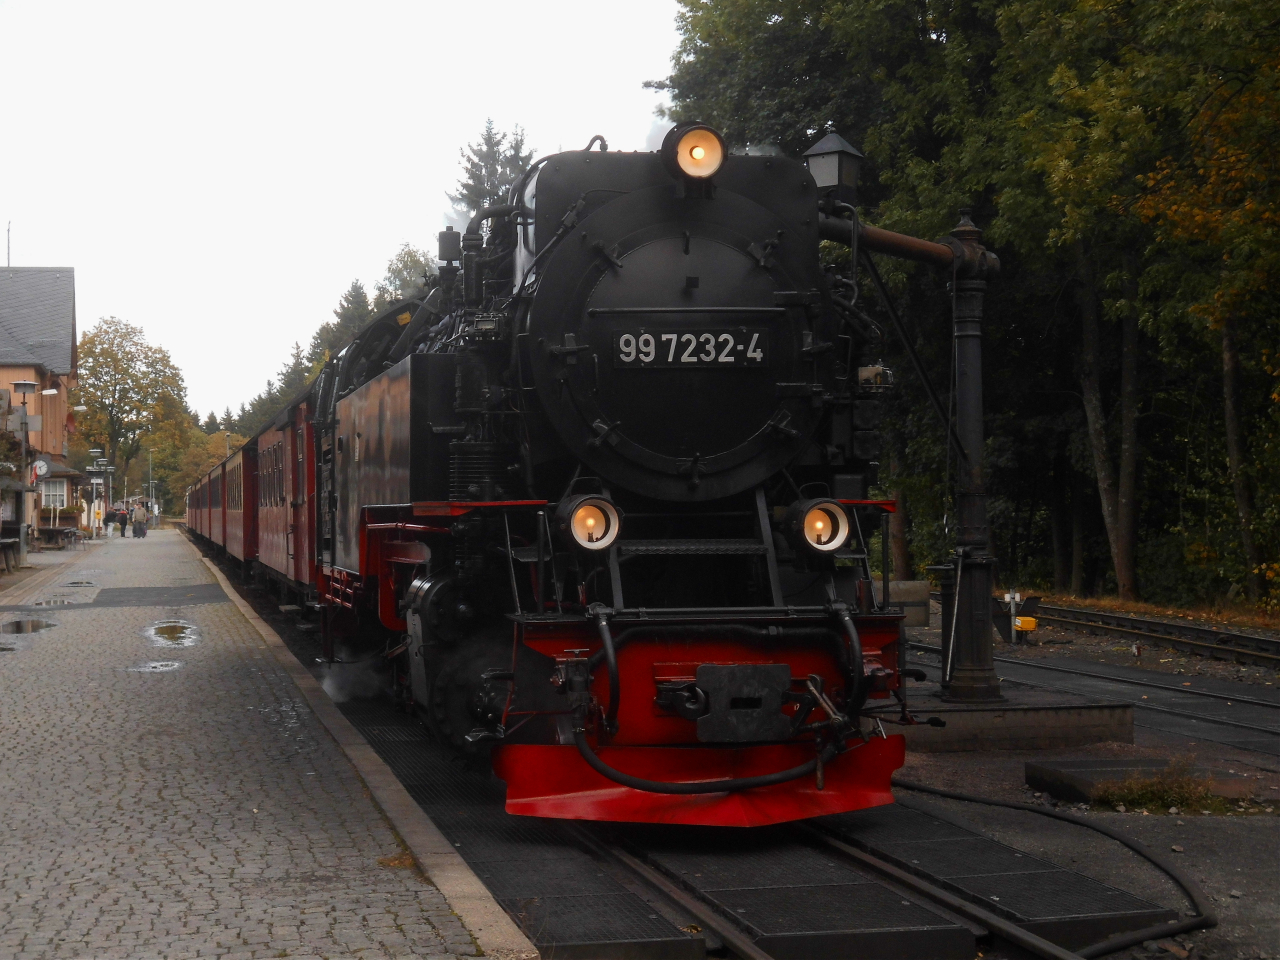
[1212,642]
[898,881]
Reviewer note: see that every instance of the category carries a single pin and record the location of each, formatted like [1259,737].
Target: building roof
[38,317]
[56,470]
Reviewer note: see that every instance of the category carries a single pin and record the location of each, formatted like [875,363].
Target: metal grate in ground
[796,900]
[1059,905]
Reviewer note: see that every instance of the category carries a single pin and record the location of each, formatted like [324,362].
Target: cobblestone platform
[168,800]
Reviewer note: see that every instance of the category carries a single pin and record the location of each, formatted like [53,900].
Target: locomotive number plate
[724,348]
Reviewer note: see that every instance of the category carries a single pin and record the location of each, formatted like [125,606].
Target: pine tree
[490,167]
[210,424]
[295,374]
[352,313]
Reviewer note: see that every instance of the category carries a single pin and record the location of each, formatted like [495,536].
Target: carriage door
[297,505]
[287,498]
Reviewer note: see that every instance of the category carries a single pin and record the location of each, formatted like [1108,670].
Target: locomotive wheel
[460,699]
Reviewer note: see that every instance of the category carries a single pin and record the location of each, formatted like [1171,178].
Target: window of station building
[53,493]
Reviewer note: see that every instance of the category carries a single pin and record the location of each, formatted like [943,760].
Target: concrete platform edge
[1014,727]
[494,931]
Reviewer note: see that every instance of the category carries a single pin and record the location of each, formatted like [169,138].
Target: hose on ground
[1205,916]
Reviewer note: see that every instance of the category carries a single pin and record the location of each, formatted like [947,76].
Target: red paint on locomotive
[554,781]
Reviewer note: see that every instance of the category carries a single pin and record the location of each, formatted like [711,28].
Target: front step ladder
[760,545]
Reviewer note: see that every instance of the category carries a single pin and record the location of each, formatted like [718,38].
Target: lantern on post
[833,163]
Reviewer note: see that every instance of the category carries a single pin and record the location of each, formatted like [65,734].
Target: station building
[38,345]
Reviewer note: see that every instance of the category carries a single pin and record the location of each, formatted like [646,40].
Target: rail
[1206,641]
[1212,642]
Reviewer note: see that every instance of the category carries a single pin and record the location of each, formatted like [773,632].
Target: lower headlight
[820,525]
[590,522]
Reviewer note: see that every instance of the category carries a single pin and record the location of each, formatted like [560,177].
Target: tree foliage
[489,168]
[353,311]
[408,274]
[1120,154]
[129,386]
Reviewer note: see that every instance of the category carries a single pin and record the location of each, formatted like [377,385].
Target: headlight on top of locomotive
[818,525]
[693,150]
[590,522]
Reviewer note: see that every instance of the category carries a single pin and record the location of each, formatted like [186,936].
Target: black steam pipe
[860,688]
[489,213]
[615,684]
[731,785]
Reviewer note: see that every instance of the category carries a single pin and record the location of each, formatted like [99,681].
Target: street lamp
[834,163]
[98,493]
[101,464]
[24,388]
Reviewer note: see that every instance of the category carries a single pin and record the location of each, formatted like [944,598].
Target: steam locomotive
[599,498]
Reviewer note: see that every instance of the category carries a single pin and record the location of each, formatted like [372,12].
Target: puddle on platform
[157,666]
[4,649]
[53,602]
[79,583]
[173,633]
[25,626]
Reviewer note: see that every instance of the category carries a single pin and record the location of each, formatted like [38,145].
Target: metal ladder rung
[745,547]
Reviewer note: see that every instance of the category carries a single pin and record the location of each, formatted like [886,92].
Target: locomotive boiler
[599,499]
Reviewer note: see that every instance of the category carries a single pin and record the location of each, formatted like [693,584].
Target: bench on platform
[58,536]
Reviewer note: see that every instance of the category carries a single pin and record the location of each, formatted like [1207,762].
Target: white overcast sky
[218,173]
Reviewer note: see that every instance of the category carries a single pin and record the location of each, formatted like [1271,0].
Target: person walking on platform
[139,520]
[122,517]
[109,522]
